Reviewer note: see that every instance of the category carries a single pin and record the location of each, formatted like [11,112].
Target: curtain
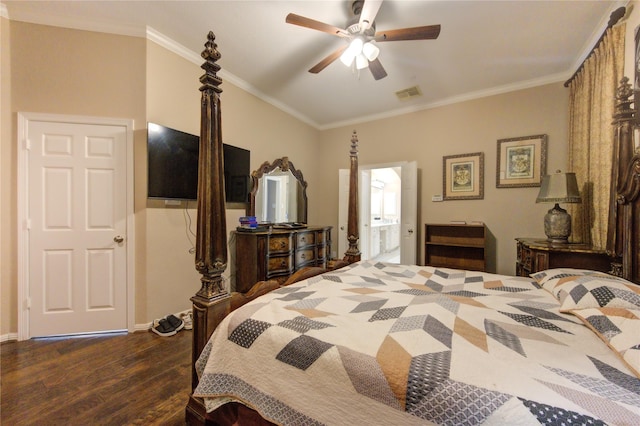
[591,136]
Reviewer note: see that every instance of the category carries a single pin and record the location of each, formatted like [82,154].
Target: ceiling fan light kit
[361,62]
[370,50]
[362,36]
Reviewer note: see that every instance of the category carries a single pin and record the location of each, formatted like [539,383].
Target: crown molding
[191,56]
[522,85]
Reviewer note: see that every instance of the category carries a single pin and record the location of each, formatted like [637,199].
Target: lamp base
[557,225]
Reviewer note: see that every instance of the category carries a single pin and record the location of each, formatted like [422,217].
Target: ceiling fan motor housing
[353,26]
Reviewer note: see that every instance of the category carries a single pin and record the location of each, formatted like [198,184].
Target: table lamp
[558,188]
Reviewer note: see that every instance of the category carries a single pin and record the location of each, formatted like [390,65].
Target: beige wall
[60,71]
[65,71]
[53,70]
[165,269]
[461,128]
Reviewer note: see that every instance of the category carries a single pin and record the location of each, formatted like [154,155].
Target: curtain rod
[614,18]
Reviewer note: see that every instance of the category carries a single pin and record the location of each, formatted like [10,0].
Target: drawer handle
[303,239]
[302,256]
[282,244]
[283,263]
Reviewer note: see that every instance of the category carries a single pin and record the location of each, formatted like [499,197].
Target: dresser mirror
[278,193]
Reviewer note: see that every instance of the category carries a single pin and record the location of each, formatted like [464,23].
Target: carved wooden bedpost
[353,253]
[211,239]
[623,148]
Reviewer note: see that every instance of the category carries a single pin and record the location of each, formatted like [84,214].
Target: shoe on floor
[162,327]
[187,319]
[175,322]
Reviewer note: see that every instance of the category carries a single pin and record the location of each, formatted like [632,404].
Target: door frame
[23,225]
[406,166]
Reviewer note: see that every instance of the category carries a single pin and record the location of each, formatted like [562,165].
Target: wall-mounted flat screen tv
[173,166]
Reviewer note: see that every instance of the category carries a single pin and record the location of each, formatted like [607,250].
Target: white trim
[22,216]
[10,337]
[188,54]
[4,12]
[555,78]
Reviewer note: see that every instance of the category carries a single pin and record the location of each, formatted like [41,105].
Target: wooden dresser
[536,254]
[278,253]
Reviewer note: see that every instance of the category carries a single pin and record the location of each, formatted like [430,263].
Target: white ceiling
[484,47]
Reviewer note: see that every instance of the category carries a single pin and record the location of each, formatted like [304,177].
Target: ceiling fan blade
[428,32]
[377,70]
[328,60]
[301,21]
[368,14]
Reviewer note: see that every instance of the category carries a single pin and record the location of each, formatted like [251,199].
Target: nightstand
[537,254]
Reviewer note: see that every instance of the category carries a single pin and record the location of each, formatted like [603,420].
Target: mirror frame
[286,166]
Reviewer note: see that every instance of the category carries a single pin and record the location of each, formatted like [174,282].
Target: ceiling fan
[362,37]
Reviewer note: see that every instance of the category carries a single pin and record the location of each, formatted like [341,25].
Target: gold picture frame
[521,162]
[463,176]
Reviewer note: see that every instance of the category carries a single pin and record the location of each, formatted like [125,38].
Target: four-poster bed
[377,343]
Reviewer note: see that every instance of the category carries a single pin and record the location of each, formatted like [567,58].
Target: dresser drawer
[304,256]
[322,252]
[279,264]
[279,244]
[305,239]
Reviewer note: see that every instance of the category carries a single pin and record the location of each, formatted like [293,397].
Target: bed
[374,343]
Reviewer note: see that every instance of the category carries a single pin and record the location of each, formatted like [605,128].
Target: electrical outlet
[436,198]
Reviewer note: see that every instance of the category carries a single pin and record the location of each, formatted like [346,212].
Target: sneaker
[175,322]
[187,319]
[163,328]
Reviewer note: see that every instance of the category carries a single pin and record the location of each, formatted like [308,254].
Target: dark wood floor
[138,378]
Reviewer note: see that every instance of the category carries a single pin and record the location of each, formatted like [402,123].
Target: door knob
[410,231]
[118,239]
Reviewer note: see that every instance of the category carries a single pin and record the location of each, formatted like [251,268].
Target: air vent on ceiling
[409,93]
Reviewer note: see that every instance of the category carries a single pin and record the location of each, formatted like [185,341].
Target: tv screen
[173,166]
[237,182]
[172,163]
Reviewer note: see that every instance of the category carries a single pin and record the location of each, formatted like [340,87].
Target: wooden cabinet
[455,246]
[278,253]
[534,255]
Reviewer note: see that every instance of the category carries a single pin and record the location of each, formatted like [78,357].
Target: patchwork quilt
[377,343]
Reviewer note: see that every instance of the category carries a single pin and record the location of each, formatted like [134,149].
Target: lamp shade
[559,188]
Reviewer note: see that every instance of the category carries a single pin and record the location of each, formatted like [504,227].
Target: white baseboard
[138,327]
[8,337]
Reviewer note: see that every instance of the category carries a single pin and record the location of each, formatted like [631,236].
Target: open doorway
[387,205]
[384,216]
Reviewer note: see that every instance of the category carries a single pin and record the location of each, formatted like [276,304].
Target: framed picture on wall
[521,162]
[463,176]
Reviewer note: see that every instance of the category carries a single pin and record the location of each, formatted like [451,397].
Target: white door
[409,213]
[364,210]
[76,215]
[408,209]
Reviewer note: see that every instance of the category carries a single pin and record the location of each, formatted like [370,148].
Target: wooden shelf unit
[456,246]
